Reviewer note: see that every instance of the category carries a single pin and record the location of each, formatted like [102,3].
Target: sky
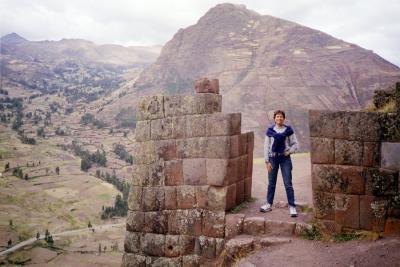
[371,24]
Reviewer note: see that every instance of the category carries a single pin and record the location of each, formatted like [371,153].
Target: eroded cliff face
[265,63]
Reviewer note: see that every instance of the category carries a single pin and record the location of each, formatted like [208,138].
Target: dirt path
[57,236]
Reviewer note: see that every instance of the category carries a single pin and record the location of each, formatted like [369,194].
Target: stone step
[238,224]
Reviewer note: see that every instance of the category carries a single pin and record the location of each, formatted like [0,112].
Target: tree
[37,236]
[58,170]
[50,240]
[9,243]
[7,167]
[46,235]
[89,225]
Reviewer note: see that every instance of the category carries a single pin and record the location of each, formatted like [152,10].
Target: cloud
[372,24]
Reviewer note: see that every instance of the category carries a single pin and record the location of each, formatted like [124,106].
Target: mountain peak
[227,10]
[12,38]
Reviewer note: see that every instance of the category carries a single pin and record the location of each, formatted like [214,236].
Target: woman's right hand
[269,166]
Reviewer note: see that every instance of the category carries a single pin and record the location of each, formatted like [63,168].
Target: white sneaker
[266,207]
[292,211]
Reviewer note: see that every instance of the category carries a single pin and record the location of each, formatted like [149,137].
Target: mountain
[266,63]
[79,69]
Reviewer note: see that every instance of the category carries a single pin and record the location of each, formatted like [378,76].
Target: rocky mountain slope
[266,63]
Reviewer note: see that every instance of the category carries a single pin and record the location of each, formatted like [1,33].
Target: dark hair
[276,112]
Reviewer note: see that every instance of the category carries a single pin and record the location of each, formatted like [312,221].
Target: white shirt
[291,144]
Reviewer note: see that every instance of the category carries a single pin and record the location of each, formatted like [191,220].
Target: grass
[19,257]
[389,107]
[346,237]
[242,205]
[312,234]
[23,231]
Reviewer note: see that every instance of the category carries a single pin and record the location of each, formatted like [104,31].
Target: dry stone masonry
[191,164]
[355,169]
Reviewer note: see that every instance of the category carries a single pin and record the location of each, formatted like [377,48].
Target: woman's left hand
[286,153]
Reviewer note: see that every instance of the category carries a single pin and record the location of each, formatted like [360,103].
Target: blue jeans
[286,169]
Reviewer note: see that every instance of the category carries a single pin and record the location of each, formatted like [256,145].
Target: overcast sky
[372,24]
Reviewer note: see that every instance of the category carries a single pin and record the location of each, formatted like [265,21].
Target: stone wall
[355,169]
[191,164]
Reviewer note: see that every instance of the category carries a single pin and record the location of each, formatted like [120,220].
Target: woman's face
[279,119]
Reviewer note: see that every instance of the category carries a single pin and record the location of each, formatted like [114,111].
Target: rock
[254,225]
[279,228]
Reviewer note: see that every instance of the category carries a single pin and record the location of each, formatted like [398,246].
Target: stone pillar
[191,164]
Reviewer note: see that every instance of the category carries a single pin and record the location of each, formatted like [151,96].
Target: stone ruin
[191,165]
[355,160]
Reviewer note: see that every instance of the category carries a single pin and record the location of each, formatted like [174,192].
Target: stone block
[347,210]
[194,171]
[156,174]
[140,175]
[173,105]
[153,199]
[279,228]
[178,127]
[391,127]
[373,213]
[185,222]
[187,244]
[206,246]
[195,126]
[390,156]
[363,126]
[150,107]
[133,260]
[186,197]
[324,205]
[392,226]
[223,124]
[239,192]
[219,171]
[202,196]
[217,198]
[249,165]
[135,221]
[338,179]
[142,131]
[247,188]
[135,198]
[348,152]
[250,142]
[242,144]
[219,246]
[143,152]
[172,246]
[132,242]
[165,150]
[218,147]
[234,146]
[191,261]
[371,154]
[204,85]
[213,223]
[233,225]
[170,197]
[202,104]
[254,225]
[155,222]
[381,182]
[242,167]
[173,172]
[231,196]
[192,148]
[322,150]
[328,124]
[164,261]
[162,129]
[153,244]
[241,245]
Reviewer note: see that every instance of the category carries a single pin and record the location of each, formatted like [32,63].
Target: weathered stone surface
[155,222]
[186,197]
[219,246]
[132,242]
[142,131]
[273,241]
[390,156]
[371,154]
[242,168]
[135,198]
[165,150]
[279,228]
[347,210]
[391,127]
[178,127]
[187,244]
[348,152]
[381,182]
[192,148]
[185,222]
[194,171]
[173,172]
[233,225]
[372,213]
[150,107]
[191,261]
[243,144]
[328,124]
[218,147]
[164,262]
[213,223]
[204,85]
[202,196]
[162,129]
[234,146]
[223,124]
[217,198]
[135,221]
[231,196]
[202,103]
[254,225]
[195,126]
[324,205]
[172,246]
[173,105]
[140,175]
[247,188]
[156,174]
[219,171]
[363,126]
[240,245]
[143,152]
[153,244]
[206,246]
[338,179]
[170,197]
[301,228]
[392,226]
[239,192]
[153,199]
[133,260]
[322,150]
